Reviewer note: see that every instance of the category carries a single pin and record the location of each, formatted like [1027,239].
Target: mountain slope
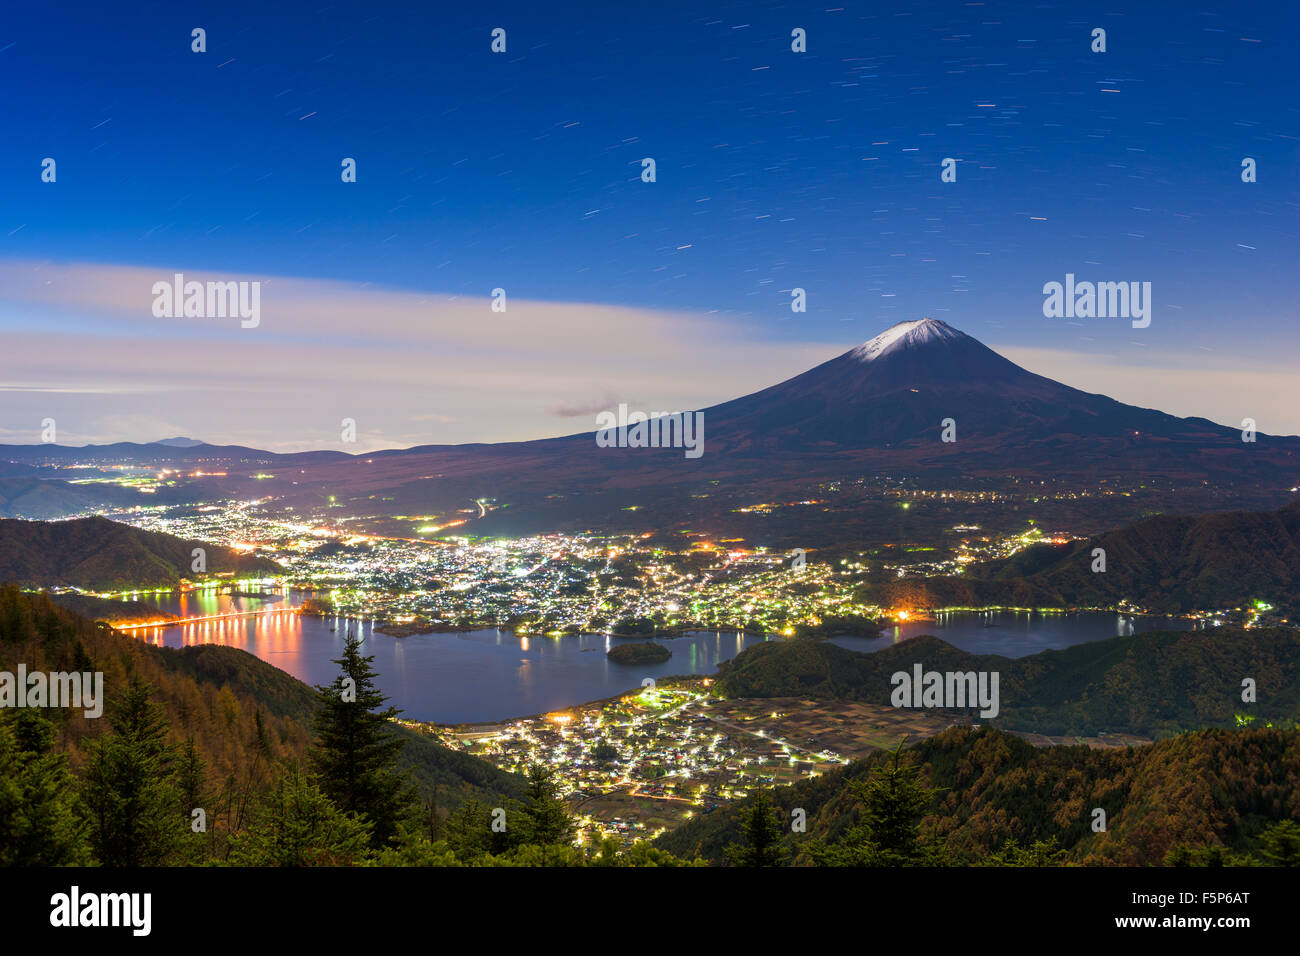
[875,410]
[44,498]
[1216,788]
[1151,684]
[1168,564]
[894,392]
[1172,562]
[214,694]
[99,554]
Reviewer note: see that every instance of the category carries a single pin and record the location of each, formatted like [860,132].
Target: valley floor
[639,765]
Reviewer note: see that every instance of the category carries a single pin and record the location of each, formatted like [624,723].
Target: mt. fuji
[880,410]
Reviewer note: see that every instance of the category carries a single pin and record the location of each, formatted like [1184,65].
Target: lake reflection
[458,677]
[490,675]
[1016,633]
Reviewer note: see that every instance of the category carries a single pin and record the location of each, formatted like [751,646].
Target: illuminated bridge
[177,622]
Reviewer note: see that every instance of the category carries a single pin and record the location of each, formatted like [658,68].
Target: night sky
[522,170]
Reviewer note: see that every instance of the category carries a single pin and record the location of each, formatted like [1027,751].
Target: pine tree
[609,851]
[1280,844]
[1039,853]
[354,752]
[41,819]
[760,828]
[469,831]
[191,776]
[192,790]
[1211,855]
[544,819]
[893,802]
[135,812]
[432,817]
[299,826]
[261,742]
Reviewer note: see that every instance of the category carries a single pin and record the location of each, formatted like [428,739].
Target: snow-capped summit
[889,388]
[906,335]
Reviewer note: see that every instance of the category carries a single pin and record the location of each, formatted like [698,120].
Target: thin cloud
[408,367]
[581,409]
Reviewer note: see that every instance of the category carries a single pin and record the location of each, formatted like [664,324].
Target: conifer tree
[130,788]
[1211,855]
[1039,853]
[41,819]
[1280,844]
[469,831]
[760,829]
[297,825]
[893,801]
[193,793]
[354,752]
[191,776]
[543,819]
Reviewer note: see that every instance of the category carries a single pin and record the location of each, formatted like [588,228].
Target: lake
[1016,633]
[490,675]
[450,678]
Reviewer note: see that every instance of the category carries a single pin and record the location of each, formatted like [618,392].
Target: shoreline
[400,630]
[670,680]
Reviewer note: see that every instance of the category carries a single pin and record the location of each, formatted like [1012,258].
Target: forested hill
[99,554]
[1212,792]
[23,495]
[1173,563]
[243,714]
[1152,684]
[1167,563]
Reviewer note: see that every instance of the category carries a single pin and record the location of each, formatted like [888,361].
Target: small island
[317,607]
[641,653]
[417,625]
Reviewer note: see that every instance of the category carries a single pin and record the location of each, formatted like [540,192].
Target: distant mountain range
[99,554]
[46,498]
[878,409]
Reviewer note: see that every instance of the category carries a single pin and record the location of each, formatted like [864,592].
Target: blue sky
[774,169]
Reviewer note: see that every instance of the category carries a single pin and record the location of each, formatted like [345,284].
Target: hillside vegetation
[1168,564]
[1152,684]
[208,756]
[1199,797]
[98,554]
[47,498]
[241,713]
